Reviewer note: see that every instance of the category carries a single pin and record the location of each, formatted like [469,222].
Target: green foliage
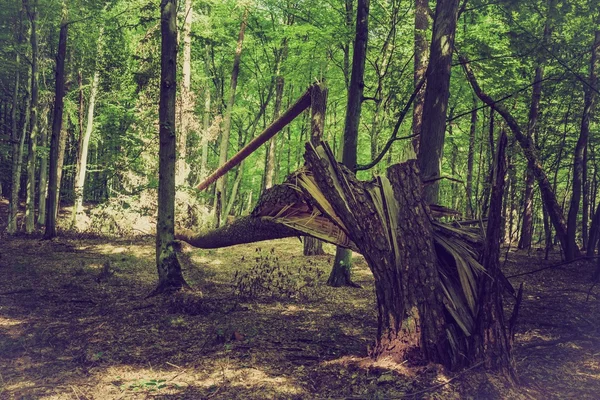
[269,279]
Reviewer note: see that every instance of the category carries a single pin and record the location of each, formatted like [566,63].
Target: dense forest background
[112,79]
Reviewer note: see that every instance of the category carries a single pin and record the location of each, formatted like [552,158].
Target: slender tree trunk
[470,158]
[43,184]
[220,189]
[31,149]
[55,140]
[588,108]
[279,85]
[205,121]
[435,105]
[170,277]
[17,153]
[187,106]
[340,272]
[585,217]
[421,47]
[84,143]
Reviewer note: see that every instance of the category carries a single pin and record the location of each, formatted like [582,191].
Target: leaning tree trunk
[43,184]
[170,277]
[53,181]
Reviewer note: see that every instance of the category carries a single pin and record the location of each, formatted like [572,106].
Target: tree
[57,135]
[340,273]
[421,47]
[170,277]
[187,103]
[433,129]
[220,189]
[33,118]
[84,140]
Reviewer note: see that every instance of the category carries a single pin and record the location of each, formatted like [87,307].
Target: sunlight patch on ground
[249,378]
[368,363]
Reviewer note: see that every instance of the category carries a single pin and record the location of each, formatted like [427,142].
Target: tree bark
[205,121]
[170,277]
[435,105]
[43,183]
[492,337]
[220,189]
[470,158]
[17,151]
[421,47]
[55,140]
[187,106]
[588,108]
[340,272]
[33,124]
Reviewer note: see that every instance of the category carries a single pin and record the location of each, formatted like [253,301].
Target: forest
[299,199]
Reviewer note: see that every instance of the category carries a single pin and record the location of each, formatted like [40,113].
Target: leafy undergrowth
[75,324]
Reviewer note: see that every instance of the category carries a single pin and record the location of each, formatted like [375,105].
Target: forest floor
[75,323]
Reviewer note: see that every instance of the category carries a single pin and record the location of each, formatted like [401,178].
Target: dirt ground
[75,324]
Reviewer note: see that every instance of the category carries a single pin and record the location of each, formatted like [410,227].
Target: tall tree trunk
[170,277]
[494,342]
[55,140]
[220,189]
[433,129]
[548,196]
[421,47]
[279,85]
[84,143]
[205,121]
[17,152]
[470,158]
[31,148]
[43,184]
[588,108]
[340,272]
[187,106]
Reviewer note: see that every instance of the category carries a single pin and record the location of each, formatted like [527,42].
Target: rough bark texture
[33,121]
[340,272]
[433,130]
[53,178]
[588,108]
[170,277]
[554,209]
[493,342]
[220,190]
[421,46]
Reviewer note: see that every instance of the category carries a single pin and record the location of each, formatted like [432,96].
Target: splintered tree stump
[403,262]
